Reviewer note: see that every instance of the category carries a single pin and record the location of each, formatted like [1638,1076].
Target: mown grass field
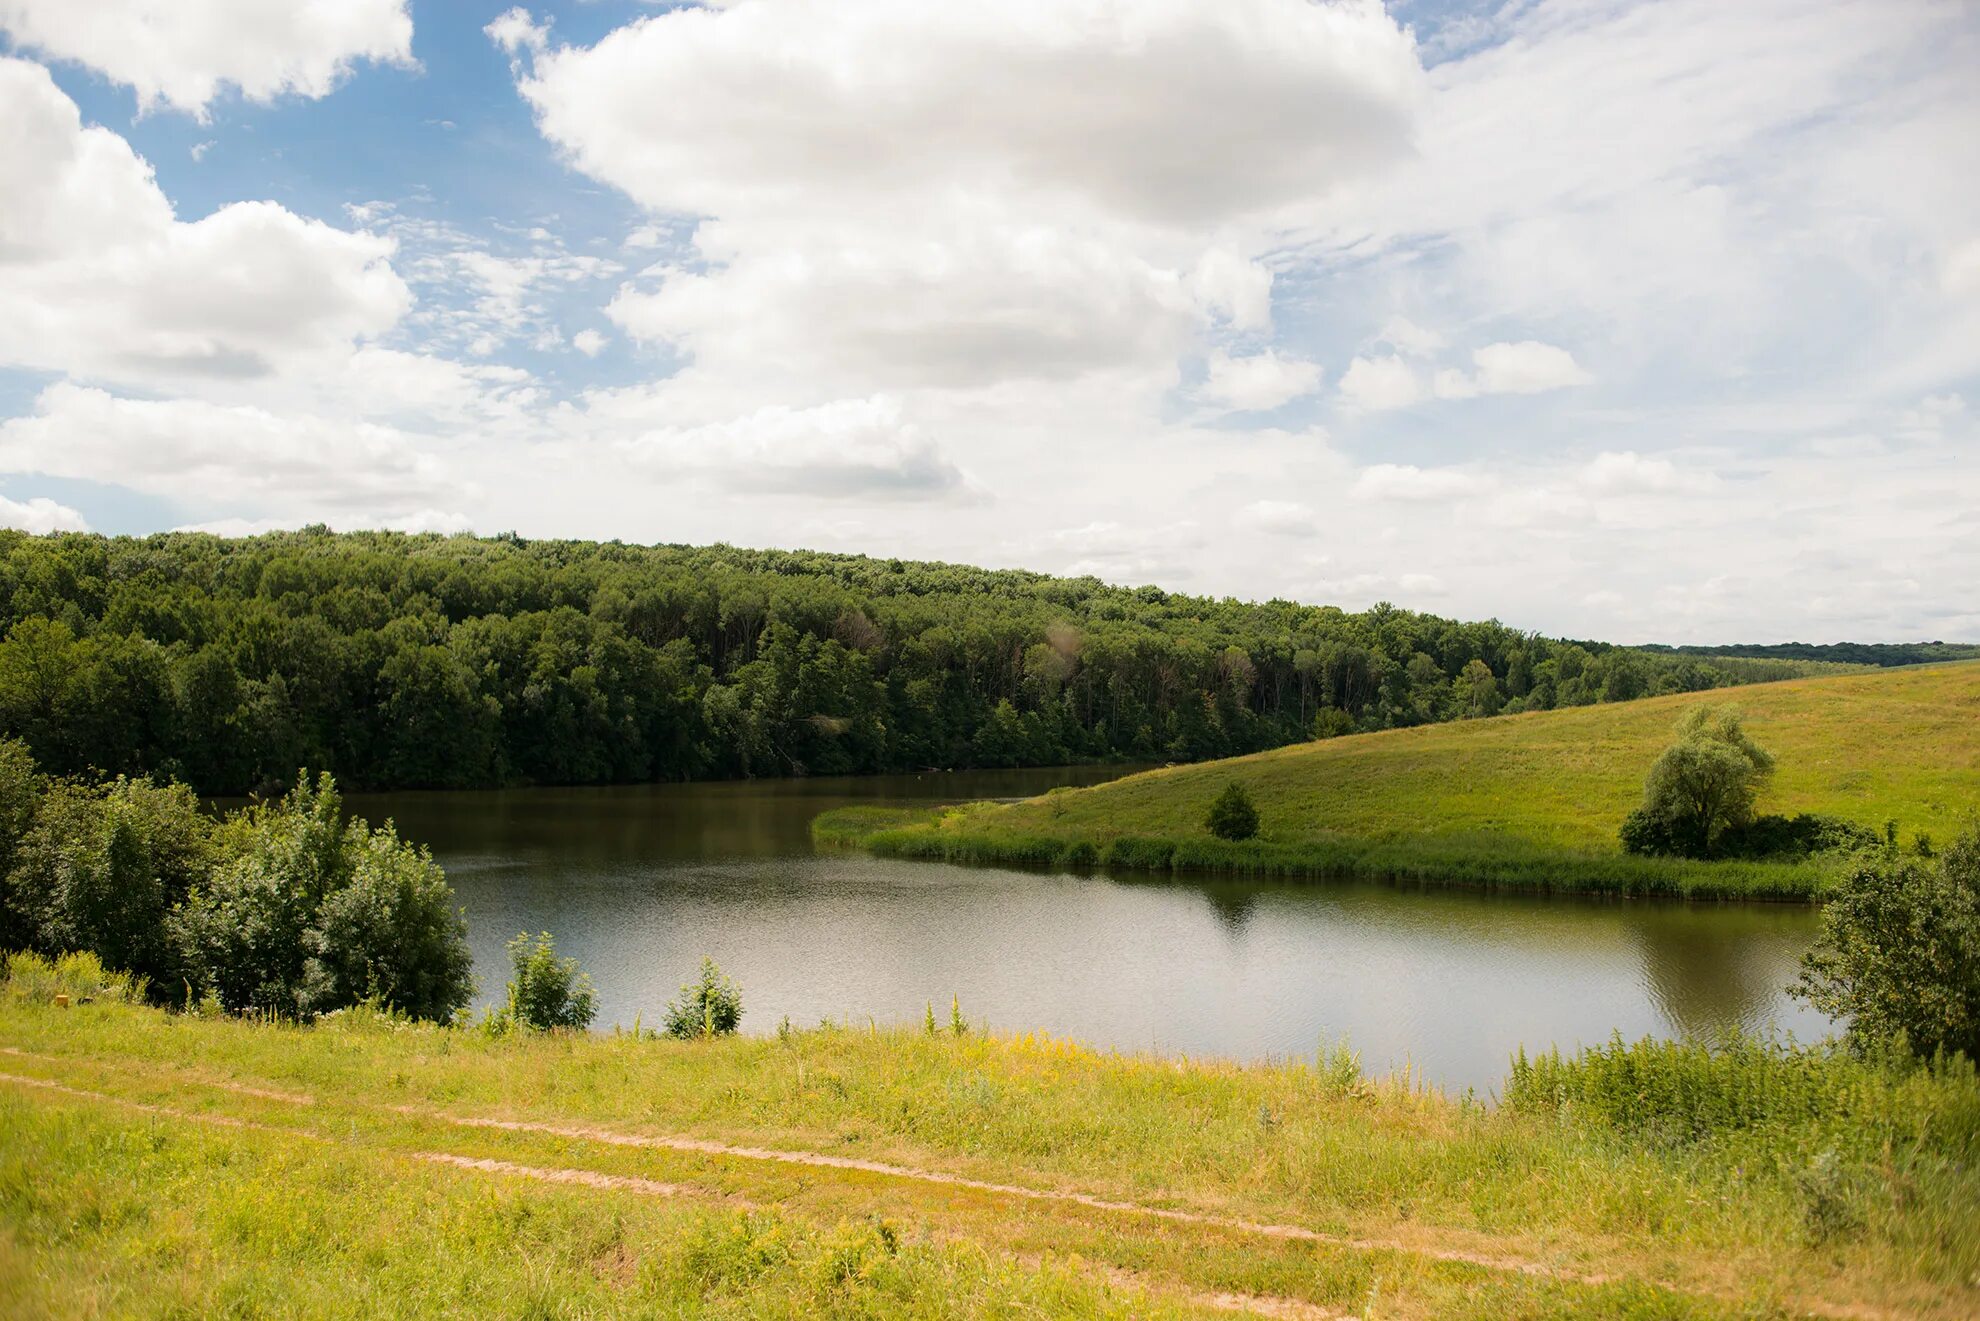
[158,1164]
[1531,800]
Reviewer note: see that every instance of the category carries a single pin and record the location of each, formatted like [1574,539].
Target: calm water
[640,882]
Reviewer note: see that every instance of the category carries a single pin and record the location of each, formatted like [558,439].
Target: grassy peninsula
[164,1164]
[1529,801]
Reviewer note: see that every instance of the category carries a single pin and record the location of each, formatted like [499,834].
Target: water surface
[640,882]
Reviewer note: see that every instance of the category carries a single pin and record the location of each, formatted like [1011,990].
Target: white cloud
[516,32]
[182,53]
[1527,367]
[1406,482]
[1284,518]
[1630,473]
[40,515]
[849,447]
[896,194]
[1375,385]
[589,342]
[100,279]
[189,450]
[1260,382]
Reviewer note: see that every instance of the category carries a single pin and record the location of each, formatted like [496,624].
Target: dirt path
[821,1160]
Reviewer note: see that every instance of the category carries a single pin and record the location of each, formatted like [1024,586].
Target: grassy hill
[161,1164]
[1531,800]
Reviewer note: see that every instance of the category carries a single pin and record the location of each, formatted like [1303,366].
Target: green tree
[1899,954]
[1704,783]
[709,1006]
[1232,815]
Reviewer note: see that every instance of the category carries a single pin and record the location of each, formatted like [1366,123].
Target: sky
[1635,321]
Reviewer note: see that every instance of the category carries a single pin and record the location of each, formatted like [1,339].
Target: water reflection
[640,882]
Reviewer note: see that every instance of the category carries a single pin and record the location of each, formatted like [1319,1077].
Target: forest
[428,661]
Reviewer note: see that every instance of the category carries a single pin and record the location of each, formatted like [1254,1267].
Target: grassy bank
[159,1164]
[1530,801]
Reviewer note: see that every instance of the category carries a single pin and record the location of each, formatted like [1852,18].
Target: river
[639,882]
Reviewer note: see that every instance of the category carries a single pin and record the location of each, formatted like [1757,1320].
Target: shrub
[1899,954]
[310,913]
[102,866]
[709,1006]
[1703,784]
[392,936]
[1232,816]
[546,991]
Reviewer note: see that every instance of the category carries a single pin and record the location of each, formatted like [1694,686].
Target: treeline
[1883,654]
[428,661]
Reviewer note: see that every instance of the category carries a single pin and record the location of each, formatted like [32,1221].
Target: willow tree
[1703,783]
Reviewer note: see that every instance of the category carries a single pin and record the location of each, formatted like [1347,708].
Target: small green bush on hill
[1233,816]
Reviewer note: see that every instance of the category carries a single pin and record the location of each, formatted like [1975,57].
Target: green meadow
[160,1164]
[1530,801]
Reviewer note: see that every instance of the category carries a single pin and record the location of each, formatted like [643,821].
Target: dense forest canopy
[427,661]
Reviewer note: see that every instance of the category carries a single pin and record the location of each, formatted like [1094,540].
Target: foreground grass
[297,1171]
[1530,801]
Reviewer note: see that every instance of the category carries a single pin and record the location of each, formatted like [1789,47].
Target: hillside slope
[1497,799]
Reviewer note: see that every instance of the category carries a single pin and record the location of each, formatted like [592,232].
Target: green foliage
[1899,954]
[309,913]
[1704,784]
[428,661]
[709,1006]
[545,992]
[102,866]
[1232,815]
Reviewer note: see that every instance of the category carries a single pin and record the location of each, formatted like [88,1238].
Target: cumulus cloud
[896,194]
[849,447]
[589,342]
[1260,382]
[1630,473]
[99,277]
[38,514]
[1376,385]
[183,53]
[1527,367]
[186,449]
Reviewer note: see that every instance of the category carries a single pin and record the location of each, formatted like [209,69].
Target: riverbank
[368,1166]
[1529,802]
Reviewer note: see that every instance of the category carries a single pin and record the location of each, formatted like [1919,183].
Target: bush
[710,1006]
[310,913]
[1232,816]
[102,866]
[391,937]
[1899,954]
[546,992]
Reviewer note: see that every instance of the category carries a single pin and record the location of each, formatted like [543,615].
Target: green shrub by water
[1692,1090]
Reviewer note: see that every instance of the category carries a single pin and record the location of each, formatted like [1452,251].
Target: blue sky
[1650,321]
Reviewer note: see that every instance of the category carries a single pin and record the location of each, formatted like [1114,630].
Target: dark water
[640,882]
